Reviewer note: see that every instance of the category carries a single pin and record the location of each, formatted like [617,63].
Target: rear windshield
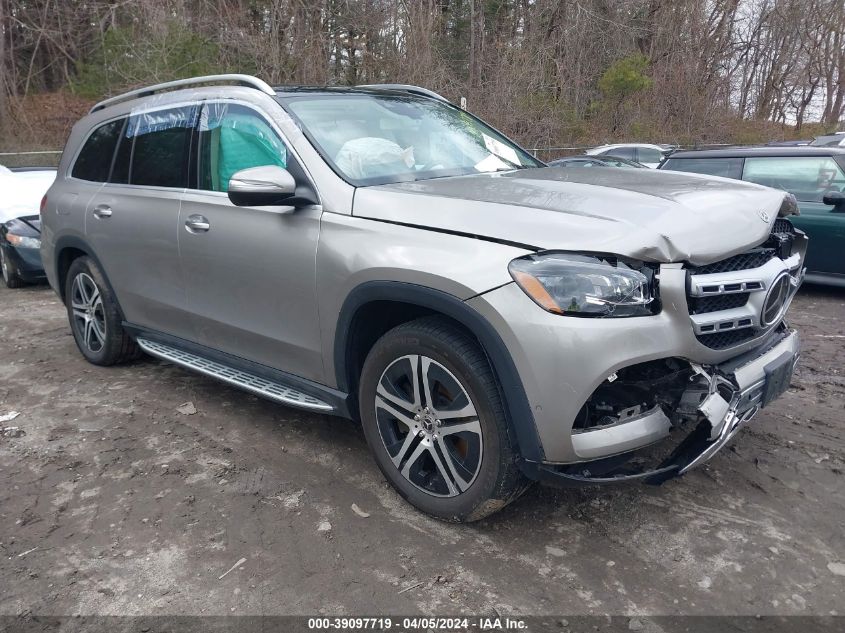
[379,139]
[725,167]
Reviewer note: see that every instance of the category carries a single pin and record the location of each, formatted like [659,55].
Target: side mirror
[267,186]
[836,199]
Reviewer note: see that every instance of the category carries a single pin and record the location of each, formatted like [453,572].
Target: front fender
[518,409]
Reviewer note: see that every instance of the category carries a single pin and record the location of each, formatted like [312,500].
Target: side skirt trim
[263,381]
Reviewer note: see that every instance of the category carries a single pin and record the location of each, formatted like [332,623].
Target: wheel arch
[398,302]
[69,248]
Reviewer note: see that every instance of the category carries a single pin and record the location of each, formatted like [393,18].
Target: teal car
[814,175]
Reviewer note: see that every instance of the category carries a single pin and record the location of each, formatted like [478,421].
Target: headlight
[22,241]
[587,285]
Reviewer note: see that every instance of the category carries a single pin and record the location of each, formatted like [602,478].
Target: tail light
[43,203]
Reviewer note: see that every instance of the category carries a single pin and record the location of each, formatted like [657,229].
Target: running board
[249,382]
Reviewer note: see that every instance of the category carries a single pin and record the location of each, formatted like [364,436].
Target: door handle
[102,211]
[197,224]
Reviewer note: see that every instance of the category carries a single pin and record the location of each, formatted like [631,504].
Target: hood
[22,192]
[657,216]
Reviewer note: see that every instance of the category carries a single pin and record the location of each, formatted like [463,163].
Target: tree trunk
[476,41]
[4,72]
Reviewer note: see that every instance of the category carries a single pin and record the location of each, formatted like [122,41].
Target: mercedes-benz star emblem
[775,300]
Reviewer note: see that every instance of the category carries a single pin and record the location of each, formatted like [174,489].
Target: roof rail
[242,80]
[407,88]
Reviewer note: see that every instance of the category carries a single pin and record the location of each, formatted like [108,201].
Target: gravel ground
[115,502]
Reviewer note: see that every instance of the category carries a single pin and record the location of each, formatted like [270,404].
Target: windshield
[379,139]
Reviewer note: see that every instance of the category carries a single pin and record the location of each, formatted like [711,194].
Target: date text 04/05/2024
[410,624]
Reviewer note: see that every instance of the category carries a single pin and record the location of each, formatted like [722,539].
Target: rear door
[250,272]
[132,221]
[808,178]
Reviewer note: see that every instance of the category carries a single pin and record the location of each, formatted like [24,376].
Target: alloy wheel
[429,425]
[89,316]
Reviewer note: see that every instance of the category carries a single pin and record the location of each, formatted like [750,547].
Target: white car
[20,223]
[645,153]
[837,139]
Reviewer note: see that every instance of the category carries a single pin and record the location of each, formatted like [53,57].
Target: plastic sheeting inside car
[236,139]
[160,121]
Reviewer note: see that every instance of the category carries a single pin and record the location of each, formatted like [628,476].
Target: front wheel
[433,418]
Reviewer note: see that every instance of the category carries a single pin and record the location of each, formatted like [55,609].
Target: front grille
[725,309]
[724,340]
[782,226]
[743,261]
[703,305]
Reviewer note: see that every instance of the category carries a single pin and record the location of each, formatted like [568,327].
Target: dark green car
[814,175]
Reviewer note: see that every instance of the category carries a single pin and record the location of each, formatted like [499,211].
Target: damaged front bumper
[721,399]
[750,385]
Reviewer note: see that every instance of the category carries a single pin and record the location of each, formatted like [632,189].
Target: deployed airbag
[372,157]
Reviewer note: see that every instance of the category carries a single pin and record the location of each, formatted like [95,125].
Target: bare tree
[531,67]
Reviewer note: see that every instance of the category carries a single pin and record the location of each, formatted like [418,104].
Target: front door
[808,178]
[250,272]
[825,226]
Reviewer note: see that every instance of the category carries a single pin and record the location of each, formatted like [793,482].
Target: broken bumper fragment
[749,385]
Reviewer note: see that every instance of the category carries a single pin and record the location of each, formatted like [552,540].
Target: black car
[595,161]
[20,224]
[814,175]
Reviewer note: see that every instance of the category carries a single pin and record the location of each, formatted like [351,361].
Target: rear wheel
[434,420]
[94,316]
[10,271]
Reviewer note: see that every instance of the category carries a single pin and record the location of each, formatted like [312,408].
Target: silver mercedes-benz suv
[379,254]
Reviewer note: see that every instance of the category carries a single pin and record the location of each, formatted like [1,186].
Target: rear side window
[94,161]
[725,167]
[808,178]
[234,137]
[155,149]
[649,155]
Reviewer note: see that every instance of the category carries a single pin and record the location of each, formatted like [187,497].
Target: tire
[446,449]
[94,316]
[10,271]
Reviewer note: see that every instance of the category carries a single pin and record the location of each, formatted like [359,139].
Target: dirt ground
[114,502]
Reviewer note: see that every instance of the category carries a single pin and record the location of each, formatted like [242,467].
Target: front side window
[808,178]
[234,137]
[94,161]
[724,167]
[154,149]
[384,138]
